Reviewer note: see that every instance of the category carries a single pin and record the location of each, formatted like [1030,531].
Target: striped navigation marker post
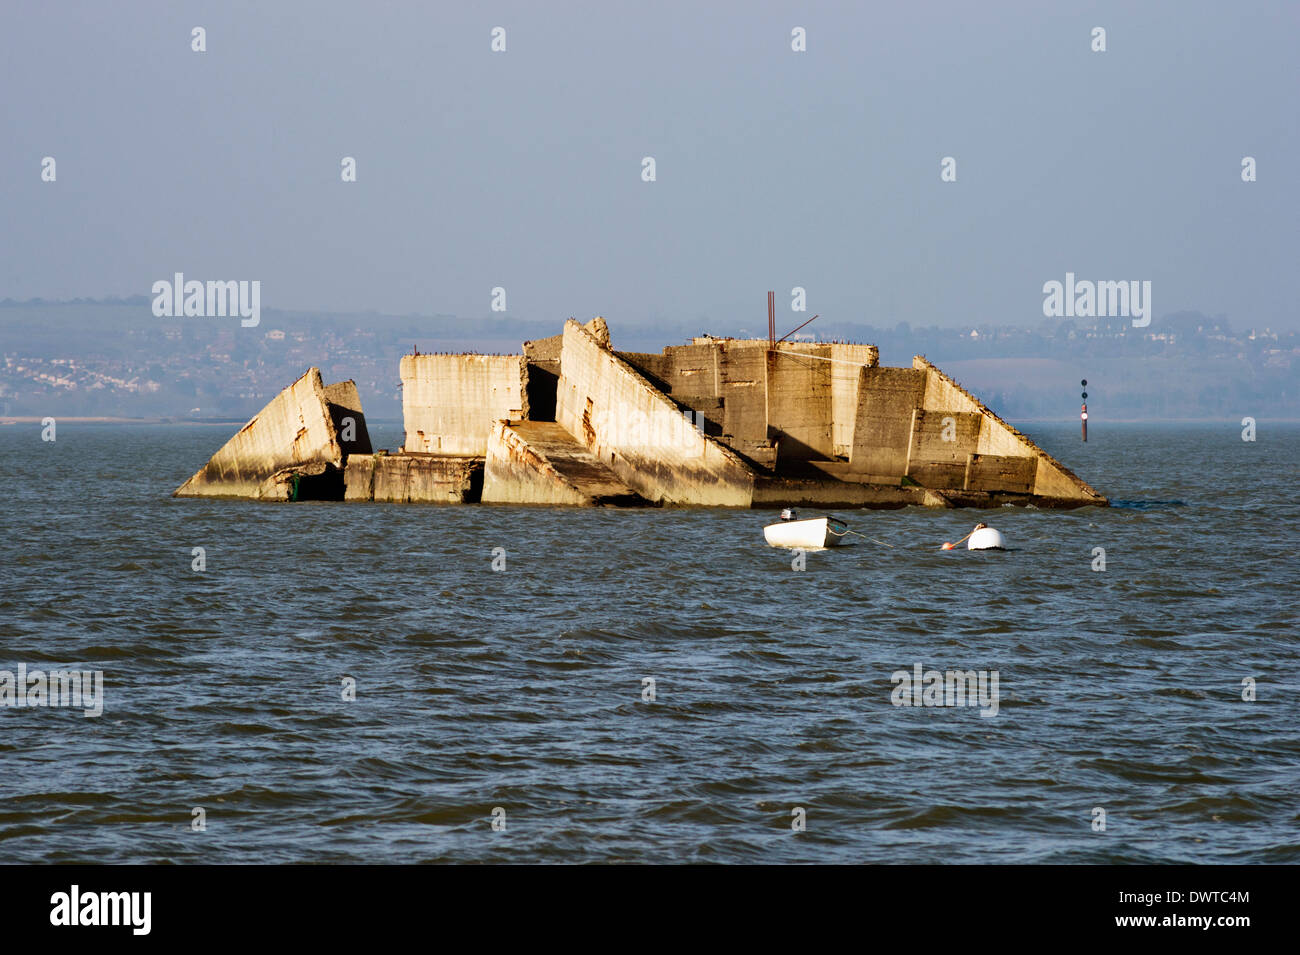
[1083,415]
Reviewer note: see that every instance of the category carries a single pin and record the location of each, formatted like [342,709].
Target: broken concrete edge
[599,330]
[525,406]
[543,349]
[923,363]
[550,347]
[212,479]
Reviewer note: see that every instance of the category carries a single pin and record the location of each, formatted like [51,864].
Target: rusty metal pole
[793,330]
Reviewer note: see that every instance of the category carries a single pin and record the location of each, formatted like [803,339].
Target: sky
[523,169]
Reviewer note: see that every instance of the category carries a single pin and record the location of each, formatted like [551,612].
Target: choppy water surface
[521,689]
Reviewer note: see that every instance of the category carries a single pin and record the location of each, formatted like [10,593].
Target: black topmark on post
[1083,415]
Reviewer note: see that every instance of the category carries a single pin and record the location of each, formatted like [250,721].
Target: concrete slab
[414,478]
[450,402]
[539,462]
[882,430]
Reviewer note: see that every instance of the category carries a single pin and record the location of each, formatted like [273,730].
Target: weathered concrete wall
[295,428]
[996,472]
[799,406]
[450,402]
[742,375]
[868,355]
[658,368]
[695,371]
[941,443]
[1051,479]
[726,381]
[846,360]
[882,431]
[359,478]
[641,435]
[722,379]
[414,478]
[537,462]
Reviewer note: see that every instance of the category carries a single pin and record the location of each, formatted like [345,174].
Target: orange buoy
[948,545]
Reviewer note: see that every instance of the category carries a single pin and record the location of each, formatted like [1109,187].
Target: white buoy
[986,538]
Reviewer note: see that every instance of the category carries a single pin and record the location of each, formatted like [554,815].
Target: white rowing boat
[811,533]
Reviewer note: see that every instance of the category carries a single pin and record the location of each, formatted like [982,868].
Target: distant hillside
[114,357]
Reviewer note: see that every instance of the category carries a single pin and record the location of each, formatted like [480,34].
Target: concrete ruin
[297,447]
[717,422]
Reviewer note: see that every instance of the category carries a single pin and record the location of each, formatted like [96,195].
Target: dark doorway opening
[543,384]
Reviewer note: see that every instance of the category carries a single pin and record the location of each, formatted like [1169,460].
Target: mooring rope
[856,534]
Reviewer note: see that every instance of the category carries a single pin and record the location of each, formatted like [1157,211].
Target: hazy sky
[523,169]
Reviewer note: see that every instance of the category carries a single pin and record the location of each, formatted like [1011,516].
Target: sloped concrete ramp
[539,462]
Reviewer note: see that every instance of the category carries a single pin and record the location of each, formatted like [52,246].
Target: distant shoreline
[31,419]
